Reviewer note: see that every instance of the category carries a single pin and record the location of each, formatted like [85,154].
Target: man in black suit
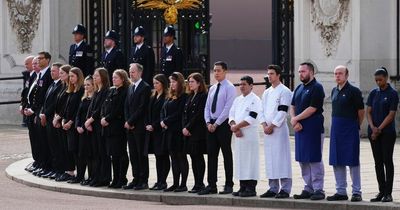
[36,96]
[112,58]
[46,118]
[80,53]
[171,55]
[27,80]
[143,54]
[135,111]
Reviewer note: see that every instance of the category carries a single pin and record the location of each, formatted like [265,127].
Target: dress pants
[341,182]
[162,167]
[33,137]
[198,167]
[285,185]
[120,166]
[54,146]
[43,146]
[180,168]
[139,161]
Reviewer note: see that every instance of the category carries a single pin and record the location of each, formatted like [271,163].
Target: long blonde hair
[89,78]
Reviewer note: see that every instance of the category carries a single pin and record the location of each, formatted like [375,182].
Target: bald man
[347,116]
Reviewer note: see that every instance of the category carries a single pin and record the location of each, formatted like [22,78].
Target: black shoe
[268,194]
[227,190]
[48,175]
[248,193]
[113,184]
[387,198]
[356,198]
[55,175]
[31,169]
[208,190]
[337,197]
[196,189]
[318,195]
[154,186]
[304,195]
[64,177]
[142,186]
[282,194]
[131,185]
[181,189]
[171,189]
[378,197]
[102,184]
[43,172]
[161,186]
[86,182]
[75,180]
[37,171]
[121,183]
[93,182]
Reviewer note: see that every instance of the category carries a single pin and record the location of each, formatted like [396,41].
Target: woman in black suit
[112,121]
[102,162]
[84,145]
[154,141]
[75,92]
[171,122]
[63,174]
[194,128]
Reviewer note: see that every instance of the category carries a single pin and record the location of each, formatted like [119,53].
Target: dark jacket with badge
[38,93]
[144,56]
[113,112]
[136,106]
[28,80]
[113,61]
[171,61]
[82,57]
[193,120]
[49,105]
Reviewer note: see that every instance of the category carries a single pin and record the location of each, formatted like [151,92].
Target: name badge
[79,53]
[40,83]
[169,58]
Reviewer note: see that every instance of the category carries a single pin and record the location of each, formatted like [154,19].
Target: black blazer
[171,61]
[113,61]
[82,57]
[193,116]
[38,93]
[28,80]
[154,142]
[73,101]
[144,56]
[49,105]
[136,106]
[97,102]
[61,101]
[113,111]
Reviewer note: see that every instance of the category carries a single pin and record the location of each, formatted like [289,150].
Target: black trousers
[162,166]
[81,164]
[33,138]
[221,138]
[139,161]
[180,168]
[382,150]
[198,167]
[44,155]
[120,166]
[103,161]
[54,146]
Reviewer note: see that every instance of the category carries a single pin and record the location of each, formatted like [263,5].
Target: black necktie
[214,103]
[133,88]
[40,75]
[50,89]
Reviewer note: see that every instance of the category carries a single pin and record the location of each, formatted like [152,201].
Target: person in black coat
[80,53]
[75,92]
[84,140]
[143,54]
[36,96]
[171,122]
[171,56]
[194,128]
[112,57]
[28,78]
[61,135]
[46,119]
[112,121]
[102,162]
[136,104]
[155,143]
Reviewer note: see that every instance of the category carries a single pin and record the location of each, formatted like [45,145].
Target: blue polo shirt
[346,102]
[310,94]
[381,103]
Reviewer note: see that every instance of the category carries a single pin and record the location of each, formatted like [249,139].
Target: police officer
[344,150]
[112,57]
[143,54]
[171,55]
[80,53]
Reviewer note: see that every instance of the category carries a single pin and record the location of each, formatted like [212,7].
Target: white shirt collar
[55,81]
[43,71]
[137,83]
[169,46]
[30,73]
[79,44]
[138,46]
[109,50]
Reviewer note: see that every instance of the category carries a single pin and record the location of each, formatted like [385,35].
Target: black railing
[6,79]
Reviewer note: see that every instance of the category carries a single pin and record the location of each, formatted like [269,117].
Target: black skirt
[155,143]
[193,146]
[85,145]
[72,140]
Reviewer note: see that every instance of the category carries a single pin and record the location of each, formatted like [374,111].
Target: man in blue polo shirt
[344,150]
[307,121]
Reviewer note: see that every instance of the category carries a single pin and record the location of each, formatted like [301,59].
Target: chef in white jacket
[244,124]
[275,104]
